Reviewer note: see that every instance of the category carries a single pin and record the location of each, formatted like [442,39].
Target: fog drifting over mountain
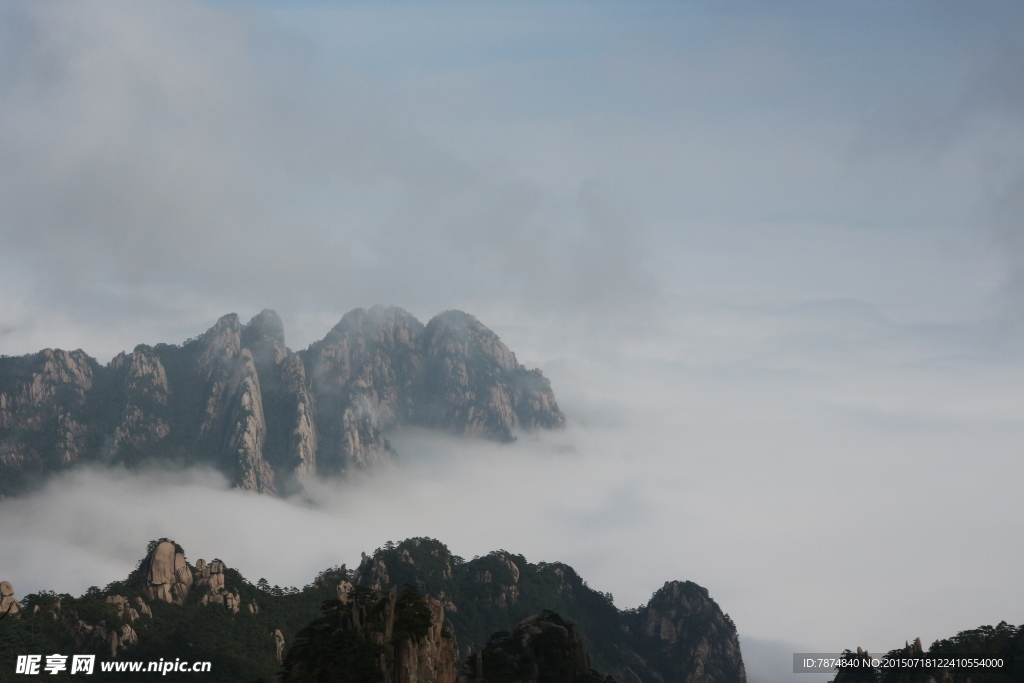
[770,259]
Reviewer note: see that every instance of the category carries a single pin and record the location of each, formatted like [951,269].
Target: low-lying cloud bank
[826,494]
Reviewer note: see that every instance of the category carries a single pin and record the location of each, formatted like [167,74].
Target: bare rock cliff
[238,399]
[688,636]
[168,577]
[44,411]
[363,373]
[474,385]
[144,418]
[247,429]
[394,637]
[211,579]
[303,440]
[8,603]
[264,337]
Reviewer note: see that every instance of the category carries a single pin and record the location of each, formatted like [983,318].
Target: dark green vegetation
[499,583]
[353,637]
[680,631]
[544,648]
[26,633]
[1003,640]
[240,646]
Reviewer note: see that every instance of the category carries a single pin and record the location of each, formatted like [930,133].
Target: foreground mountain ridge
[207,611]
[238,399]
[1003,642]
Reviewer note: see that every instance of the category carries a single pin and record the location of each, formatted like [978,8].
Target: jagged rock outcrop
[409,613]
[394,637]
[264,337]
[211,579]
[144,418]
[44,416]
[116,638]
[303,440]
[8,603]
[474,385]
[502,592]
[238,399]
[363,374]
[278,644]
[143,608]
[233,424]
[542,647]
[432,657]
[218,346]
[168,577]
[247,429]
[680,636]
[689,636]
[125,609]
[344,590]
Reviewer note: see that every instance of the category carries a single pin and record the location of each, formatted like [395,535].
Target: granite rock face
[210,578]
[246,429]
[168,576]
[116,638]
[472,384]
[8,603]
[44,414]
[126,611]
[144,419]
[688,636]
[395,637]
[238,399]
[278,644]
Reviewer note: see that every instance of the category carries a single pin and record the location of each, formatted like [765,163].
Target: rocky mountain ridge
[417,611]
[680,635]
[239,399]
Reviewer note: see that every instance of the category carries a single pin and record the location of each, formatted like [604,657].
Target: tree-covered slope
[170,608]
[1003,642]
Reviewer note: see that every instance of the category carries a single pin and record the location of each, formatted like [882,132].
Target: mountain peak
[264,337]
[237,398]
